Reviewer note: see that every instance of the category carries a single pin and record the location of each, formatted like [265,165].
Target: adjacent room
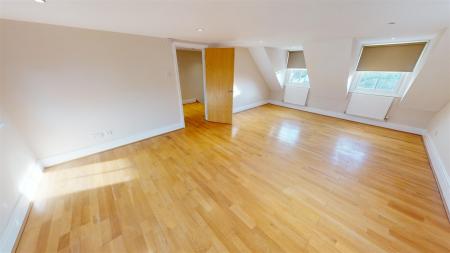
[190,72]
[224,126]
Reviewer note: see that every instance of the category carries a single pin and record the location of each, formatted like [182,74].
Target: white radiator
[296,94]
[369,106]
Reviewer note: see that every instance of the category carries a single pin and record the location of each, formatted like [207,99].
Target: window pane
[389,81]
[383,81]
[368,81]
[298,76]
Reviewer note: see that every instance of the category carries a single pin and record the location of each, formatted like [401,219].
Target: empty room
[224,126]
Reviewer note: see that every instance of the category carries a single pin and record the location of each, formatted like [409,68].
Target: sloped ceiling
[265,66]
[431,89]
[269,60]
[278,23]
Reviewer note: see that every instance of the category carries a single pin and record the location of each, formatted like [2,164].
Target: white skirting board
[399,127]
[250,106]
[50,161]
[11,233]
[439,170]
[189,100]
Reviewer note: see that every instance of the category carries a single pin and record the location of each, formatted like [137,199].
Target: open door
[219,65]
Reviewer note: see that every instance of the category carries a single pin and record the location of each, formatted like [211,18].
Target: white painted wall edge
[50,161]
[177,80]
[11,233]
[394,126]
[440,172]
[189,100]
[250,106]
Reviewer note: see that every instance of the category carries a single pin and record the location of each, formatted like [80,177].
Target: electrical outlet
[436,132]
[108,132]
[102,134]
[98,135]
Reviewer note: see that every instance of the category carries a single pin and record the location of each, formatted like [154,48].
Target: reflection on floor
[278,180]
[194,114]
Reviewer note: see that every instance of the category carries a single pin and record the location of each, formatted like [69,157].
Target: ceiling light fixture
[391,23]
[199,29]
[40,1]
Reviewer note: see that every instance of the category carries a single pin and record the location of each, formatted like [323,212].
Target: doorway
[190,72]
[211,96]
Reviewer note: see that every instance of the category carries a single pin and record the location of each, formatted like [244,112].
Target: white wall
[66,85]
[401,114]
[190,68]
[437,142]
[249,86]
[328,64]
[19,175]
[439,130]
[19,171]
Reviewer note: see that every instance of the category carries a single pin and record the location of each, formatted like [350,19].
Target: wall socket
[102,134]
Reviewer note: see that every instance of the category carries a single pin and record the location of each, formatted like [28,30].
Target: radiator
[296,94]
[369,106]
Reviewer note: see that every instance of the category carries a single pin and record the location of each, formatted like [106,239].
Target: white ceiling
[278,23]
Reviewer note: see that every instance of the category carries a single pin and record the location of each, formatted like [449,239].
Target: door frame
[187,45]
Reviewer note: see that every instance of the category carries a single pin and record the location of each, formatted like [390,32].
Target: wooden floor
[278,180]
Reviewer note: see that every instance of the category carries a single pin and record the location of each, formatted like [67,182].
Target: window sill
[298,85]
[376,93]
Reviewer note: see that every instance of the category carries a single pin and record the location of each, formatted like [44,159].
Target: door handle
[230,91]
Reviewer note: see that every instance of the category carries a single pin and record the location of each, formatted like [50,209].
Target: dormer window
[296,79]
[296,73]
[385,69]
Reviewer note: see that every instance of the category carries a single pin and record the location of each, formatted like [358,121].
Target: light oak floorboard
[278,180]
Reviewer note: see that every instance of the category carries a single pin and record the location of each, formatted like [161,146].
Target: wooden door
[219,65]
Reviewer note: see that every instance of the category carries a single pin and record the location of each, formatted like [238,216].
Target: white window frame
[396,93]
[281,76]
[286,78]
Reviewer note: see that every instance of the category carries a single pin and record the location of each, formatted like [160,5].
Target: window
[296,72]
[297,77]
[378,82]
[386,69]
